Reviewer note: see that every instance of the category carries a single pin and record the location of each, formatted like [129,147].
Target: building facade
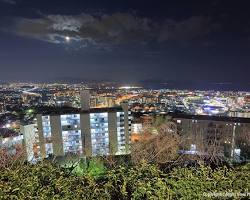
[99,131]
[226,136]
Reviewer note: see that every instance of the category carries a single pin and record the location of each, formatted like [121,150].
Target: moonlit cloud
[112,29]
[64,23]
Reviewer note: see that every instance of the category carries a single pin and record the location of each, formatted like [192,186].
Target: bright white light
[67,38]
[125,87]
[178,121]
[7,125]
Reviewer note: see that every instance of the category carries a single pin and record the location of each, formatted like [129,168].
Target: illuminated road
[30,93]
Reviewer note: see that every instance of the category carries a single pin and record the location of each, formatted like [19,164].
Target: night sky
[125,40]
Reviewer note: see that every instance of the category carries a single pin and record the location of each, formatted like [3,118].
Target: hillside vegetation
[46,180]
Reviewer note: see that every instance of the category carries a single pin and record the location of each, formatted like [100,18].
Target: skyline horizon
[153,84]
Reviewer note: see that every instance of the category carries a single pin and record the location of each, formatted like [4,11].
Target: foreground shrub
[144,181]
[140,182]
[47,181]
[193,183]
[93,167]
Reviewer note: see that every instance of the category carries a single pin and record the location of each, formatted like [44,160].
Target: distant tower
[4,106]
[85,99]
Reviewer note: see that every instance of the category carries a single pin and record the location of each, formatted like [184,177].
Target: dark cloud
[188,29]
[113,29]
[12,2]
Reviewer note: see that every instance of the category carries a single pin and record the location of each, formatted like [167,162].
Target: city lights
[124,99]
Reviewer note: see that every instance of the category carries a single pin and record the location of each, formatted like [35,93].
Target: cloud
[188,29]
[12,2]
[113,29]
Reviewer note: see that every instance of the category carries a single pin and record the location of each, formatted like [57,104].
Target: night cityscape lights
[124,99]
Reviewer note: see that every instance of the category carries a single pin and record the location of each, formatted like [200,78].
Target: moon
[67,38]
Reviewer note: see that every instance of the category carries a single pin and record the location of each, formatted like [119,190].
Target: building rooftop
[70,110]
[212,118]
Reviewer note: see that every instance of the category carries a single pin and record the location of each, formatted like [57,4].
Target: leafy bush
[192,183]
[93,167]
[46,180]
